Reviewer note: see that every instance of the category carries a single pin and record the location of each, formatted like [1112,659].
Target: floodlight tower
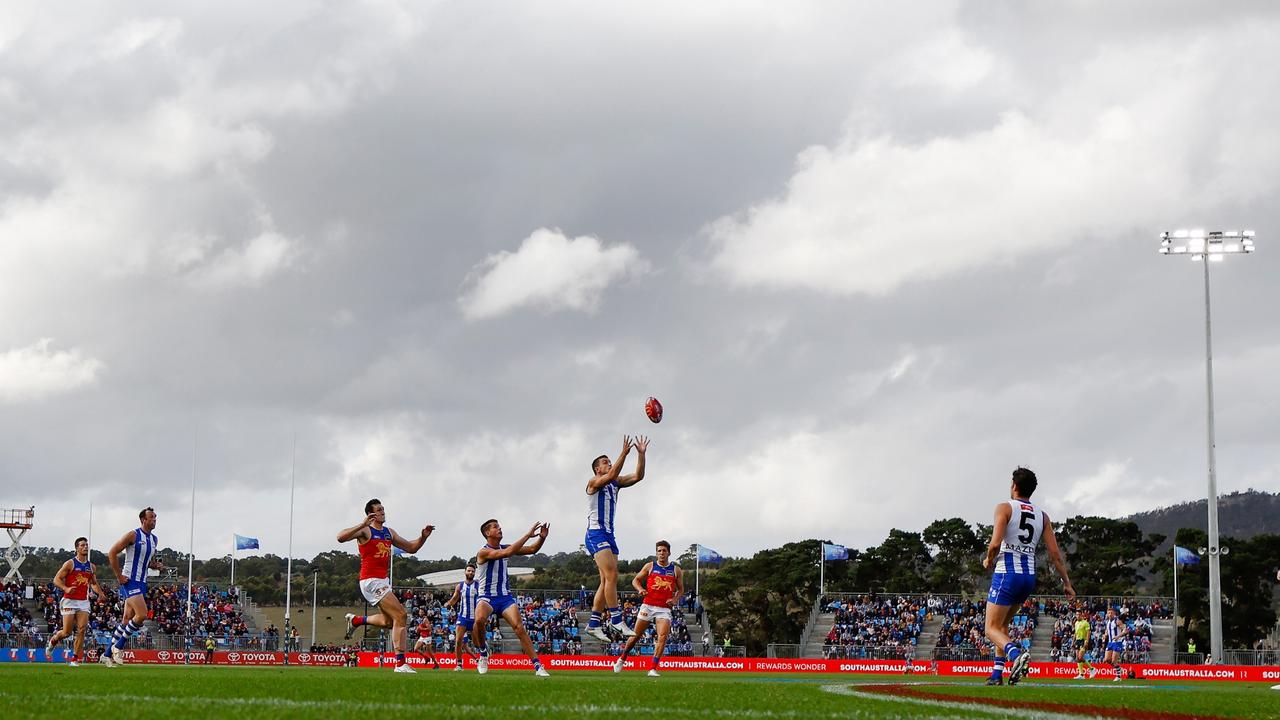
[1208,248]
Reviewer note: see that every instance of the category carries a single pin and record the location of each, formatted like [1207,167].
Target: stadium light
[1210,247]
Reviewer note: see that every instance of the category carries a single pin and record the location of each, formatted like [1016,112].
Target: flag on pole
[246,543]
[708,556]
[397,551]
[1184,556]
[834,552]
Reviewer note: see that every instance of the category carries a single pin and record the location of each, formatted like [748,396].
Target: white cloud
[550,271]
[1113,490]
[260,258]
[35,372]
[1087,162]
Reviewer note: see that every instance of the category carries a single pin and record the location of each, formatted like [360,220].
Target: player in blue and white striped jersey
[465,596]
[1019,526]
[602,505]
[495,589]
[139,546]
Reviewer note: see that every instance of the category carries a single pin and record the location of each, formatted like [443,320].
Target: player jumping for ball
[602,503]
[495,589]
[74,579]
[1019,526]
[662,584]
[375,540]
[139,547]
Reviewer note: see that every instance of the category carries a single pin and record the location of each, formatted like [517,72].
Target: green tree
[766,598]
[957,556]
[1104,555]
[898,564]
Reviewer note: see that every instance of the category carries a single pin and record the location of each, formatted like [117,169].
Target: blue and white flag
[397,551]
[708,556]
[246,543]
[1184,556]
[834,552]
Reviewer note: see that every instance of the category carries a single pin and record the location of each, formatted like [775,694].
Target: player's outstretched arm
[416,545]
[638,582]
[1055,557]
[537,545]
[457,597]
[1001,521]
[360,531]
[490,553]
[597,482]
[641,444]
[113,555]
[60,580]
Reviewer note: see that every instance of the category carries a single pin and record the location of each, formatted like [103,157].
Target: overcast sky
[870,256]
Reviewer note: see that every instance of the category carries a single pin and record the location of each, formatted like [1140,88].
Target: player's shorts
[375,589]
[1011,589]
[598,540]
[654,613]
[499,603]
[71,607]
[466,623]
[1115,647]
[132,588]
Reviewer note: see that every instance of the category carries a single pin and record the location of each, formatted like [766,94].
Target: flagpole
[233,559]
[697,575]
[90,537]
[195,444]
[1175,599]
[315,592]
[822,571]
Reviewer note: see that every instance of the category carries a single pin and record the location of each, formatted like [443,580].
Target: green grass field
[30,691]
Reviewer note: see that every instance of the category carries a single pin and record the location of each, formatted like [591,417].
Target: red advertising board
[897,667]
[232,657]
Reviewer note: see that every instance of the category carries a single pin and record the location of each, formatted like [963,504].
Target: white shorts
[374,589]
[71,607]
[654,613]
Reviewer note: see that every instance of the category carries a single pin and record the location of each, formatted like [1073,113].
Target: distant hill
[1240,515]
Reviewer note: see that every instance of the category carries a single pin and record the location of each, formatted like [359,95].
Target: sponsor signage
[233,657]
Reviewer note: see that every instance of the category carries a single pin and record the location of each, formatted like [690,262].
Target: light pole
[1208,248]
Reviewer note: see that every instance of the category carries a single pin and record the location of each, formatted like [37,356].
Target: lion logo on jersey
[80,580]
[384,550]
[662,583]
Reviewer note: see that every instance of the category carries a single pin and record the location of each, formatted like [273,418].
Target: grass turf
[196,692]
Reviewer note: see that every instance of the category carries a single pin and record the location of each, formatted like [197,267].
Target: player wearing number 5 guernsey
[602,504]
[1018,529]
[375,541]
[662,584]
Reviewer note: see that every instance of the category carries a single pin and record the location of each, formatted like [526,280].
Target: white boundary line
[977,709]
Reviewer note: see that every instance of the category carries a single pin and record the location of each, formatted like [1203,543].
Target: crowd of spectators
[963,631]
[874,626]
[17,628]
[552,622]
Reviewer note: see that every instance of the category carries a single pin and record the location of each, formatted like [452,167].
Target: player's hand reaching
[641,443]
[546,527]
[626,444]
[1069,591]
[426,531]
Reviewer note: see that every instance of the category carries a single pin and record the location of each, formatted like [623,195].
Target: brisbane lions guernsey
[78,580]
[375,554]
[660,587]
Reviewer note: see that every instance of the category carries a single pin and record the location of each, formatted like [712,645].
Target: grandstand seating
[869,623]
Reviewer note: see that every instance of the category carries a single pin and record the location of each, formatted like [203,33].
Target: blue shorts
[466,623]
[1010,589]
[598,540]
[1115,647]
[499,603]
[133,587]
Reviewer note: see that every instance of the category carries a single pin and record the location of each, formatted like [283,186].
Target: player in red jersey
[426,644]
[74,579]
[662,584]
[375,541]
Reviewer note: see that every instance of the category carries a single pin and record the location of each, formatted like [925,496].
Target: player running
[465,596]
[1019,527]
[139,547]
[375,540]
[495,590]
[662,584]
[1082,630]
[602,503]
[74,579]
[1117,631]
[426,644]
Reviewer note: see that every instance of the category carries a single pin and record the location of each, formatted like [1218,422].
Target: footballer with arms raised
[495,589]
[602,503]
